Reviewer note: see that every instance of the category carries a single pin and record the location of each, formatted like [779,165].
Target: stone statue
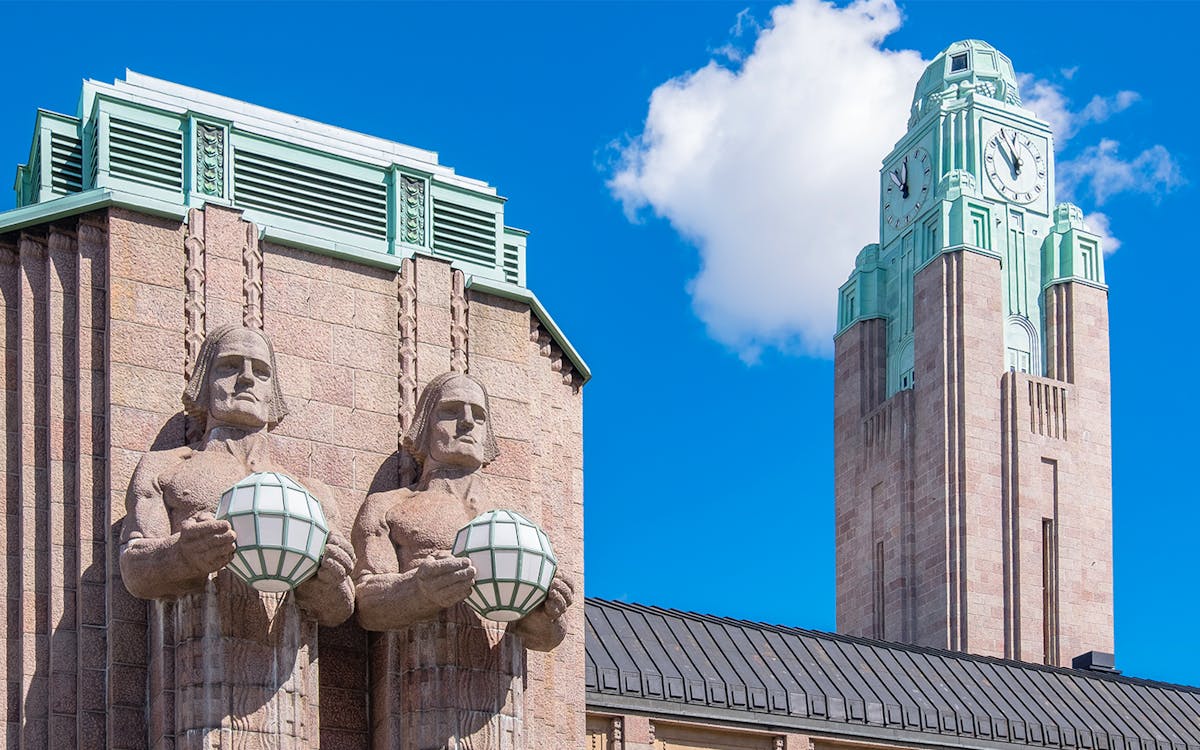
[172,546]
[461,676]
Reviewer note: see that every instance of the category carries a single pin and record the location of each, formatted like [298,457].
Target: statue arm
[388,597]
[154,563]
[329,595]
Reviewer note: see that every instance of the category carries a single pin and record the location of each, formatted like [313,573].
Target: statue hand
[445,581]
[205,543]
[560,596]
[338,560]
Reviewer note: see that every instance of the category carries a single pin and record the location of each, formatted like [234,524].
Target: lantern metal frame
[291,564]
[514,563]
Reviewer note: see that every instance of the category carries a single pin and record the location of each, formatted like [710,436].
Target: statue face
[239,383]
[459,426]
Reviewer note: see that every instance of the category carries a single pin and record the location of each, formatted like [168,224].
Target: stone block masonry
[974,510]
[102,316]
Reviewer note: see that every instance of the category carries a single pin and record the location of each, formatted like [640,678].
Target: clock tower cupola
[972,397]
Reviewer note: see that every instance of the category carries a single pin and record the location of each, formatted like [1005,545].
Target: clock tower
[973,438]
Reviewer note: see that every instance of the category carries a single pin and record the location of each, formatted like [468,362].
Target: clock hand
[904,176]
[1005,152]
[895,179]
[1016,158]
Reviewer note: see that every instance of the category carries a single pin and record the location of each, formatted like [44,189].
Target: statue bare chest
[196,483]
[425,523]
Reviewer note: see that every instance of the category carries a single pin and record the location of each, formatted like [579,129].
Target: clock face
[1015,165]
[908,181]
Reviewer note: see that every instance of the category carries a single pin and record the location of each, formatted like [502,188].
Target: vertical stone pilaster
[63,501]
[33,365]
[1078,353]
[92,475]
[10,680]
[1010,511]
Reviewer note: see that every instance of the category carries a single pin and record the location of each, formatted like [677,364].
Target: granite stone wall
[103,314]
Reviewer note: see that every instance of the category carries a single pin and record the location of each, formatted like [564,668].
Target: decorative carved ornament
[412,206]
[252,279]
[406,352]
[458,322]
[193,295]
[210,159]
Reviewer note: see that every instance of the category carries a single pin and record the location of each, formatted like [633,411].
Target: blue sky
[708,425]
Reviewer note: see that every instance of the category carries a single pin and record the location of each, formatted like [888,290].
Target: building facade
[157,215]
[971,402]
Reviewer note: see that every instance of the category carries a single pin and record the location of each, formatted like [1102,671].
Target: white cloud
[1097,173]
[1051,104]
[1098,223]
[1100,172]
[772,168]
[768,160]
[745,24]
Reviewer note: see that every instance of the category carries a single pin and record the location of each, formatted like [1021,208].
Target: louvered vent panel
[66,164]
[309,194]
[144,154]
[464,233]
[512,261]
[35,171]
[93,160]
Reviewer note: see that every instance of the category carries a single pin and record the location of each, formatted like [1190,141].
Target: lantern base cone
[503,615]
[272,586]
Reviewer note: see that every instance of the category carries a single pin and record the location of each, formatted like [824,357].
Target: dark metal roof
[649,660]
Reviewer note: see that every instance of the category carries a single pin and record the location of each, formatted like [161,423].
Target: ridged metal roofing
[669,663]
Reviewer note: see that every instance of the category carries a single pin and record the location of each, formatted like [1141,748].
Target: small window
[958,62]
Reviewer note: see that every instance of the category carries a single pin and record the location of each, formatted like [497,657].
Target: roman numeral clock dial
[908,182]
[1015,165]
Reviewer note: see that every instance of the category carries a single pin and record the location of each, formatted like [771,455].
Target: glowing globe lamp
[514,564]
[281,531]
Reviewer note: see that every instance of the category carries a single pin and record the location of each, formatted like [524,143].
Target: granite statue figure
[460,680]
[174,550]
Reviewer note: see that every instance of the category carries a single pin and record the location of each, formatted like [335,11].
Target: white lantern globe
[281,531]
[514,564]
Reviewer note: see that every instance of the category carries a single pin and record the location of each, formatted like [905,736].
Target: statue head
[452,426]
[234,382]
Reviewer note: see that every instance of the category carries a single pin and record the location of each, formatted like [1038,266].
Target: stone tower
[973,437]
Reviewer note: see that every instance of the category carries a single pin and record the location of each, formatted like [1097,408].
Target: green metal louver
[93,153]
[33,190]
[511,264]
[66,164]
[309,194]
[144,154]
[464,233]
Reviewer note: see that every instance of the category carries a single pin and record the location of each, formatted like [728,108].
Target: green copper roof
[969,64]
[162,148]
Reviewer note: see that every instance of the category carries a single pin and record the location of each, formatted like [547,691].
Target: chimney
[1095,661]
